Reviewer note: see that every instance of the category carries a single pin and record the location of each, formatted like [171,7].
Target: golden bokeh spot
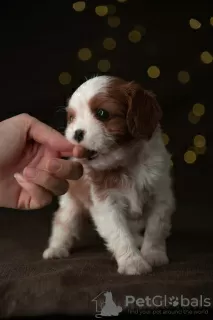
[198,109]
[104,65]
[183,77]
[79,6]
[194,24]
[199,141]
[134,36]
[206,57]
[211,21]
[84,54]
[193,118]
[171,163]
[109,43]
[141,29]
[122,1]
[114,21]
[190,157]
[200,151]
[64,78]
[111,9]
[101,11]
[153,72]
[165,138]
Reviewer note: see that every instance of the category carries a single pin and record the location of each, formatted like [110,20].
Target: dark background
[41,39]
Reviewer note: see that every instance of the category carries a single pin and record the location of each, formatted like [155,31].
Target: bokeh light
[211,21]
[84,54]
[165,138]
[206,57]
[199,141]
[190,157]
[198,109]
[109,44]
[111,9]
[194,24]
[193,118]
[114,21]
[101,11]
[122,1]
[64,78]
[141,29]
[79,6]
[134,36]
[153,72]
[200,151]
[104,65]
[183,77]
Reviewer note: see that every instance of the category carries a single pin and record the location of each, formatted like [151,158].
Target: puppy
[126,186]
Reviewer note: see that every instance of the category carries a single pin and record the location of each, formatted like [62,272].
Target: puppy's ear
[144,112]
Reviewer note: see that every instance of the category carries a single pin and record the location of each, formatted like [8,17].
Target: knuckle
[56,186]
[24,116]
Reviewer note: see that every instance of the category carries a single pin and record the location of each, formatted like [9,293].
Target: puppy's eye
[102,114]
[70,118]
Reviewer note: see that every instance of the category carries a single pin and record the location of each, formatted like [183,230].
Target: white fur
[146,202]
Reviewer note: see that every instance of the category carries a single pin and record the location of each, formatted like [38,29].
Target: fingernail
[19,177]
[54,166]
[30,173]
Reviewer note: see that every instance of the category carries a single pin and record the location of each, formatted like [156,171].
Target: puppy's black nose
[79,135]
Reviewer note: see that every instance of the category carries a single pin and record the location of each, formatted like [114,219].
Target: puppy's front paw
[133,265]
[51,253]
[155,257]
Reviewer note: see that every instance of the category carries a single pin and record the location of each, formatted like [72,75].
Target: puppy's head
[107,112]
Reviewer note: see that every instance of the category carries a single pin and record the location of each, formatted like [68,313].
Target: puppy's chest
[99,185]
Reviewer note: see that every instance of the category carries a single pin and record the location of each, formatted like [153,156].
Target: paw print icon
[173,301]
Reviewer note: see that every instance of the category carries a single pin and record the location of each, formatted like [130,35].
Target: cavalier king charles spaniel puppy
[126,187]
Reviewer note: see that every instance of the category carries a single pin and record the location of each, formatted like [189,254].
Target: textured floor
[30,285]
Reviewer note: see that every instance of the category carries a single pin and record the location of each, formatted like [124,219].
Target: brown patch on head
[114,101]
[144,112]
[133,111]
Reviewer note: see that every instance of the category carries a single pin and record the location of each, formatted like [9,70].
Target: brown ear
[144,112]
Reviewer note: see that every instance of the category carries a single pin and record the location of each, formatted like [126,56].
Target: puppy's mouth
[92,154]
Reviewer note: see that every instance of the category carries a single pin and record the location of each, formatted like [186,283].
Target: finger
[46,135]
[36,198]
[77,152]
[64,169]
[80,152]
[45,180]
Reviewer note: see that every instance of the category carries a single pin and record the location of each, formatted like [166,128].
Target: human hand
[31,168]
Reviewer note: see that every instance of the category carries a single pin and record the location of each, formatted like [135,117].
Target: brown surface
[32,286]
